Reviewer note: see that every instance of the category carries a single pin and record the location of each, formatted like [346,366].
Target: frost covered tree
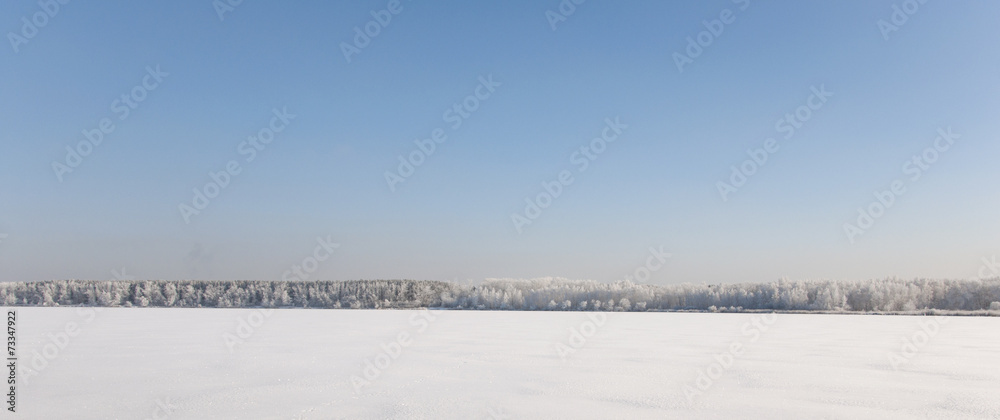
[512,294]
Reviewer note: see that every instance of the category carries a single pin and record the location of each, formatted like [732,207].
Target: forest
[542,294]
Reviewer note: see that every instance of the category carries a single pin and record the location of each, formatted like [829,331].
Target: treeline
[886,295]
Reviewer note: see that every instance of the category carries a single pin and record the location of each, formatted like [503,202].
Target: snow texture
[135,363]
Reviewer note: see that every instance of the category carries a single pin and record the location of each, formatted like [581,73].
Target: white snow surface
[137,363]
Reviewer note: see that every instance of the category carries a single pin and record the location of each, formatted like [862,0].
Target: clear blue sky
[324,174]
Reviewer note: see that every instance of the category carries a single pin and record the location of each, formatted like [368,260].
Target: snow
[133,363]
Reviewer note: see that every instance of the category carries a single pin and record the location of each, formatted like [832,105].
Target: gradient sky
[451,220]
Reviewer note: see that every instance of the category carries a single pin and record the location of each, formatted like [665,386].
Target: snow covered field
[321,364]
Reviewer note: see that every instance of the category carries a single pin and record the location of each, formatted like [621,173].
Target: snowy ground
[290,364]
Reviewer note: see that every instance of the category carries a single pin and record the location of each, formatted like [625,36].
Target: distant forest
[546,294]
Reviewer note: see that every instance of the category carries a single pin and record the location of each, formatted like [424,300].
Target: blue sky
[324,173]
